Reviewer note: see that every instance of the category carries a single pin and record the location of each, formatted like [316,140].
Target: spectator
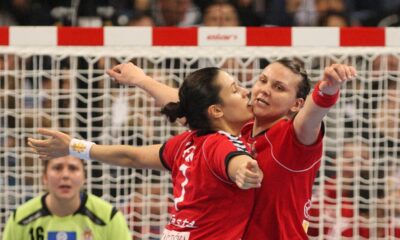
[133,18]
[221,15]
[333,19]
[29,12]
[175,13]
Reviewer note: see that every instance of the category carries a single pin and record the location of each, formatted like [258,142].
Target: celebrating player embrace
[213,174]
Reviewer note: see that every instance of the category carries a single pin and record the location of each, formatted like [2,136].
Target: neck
[263,125]
[62,207]
[233,129]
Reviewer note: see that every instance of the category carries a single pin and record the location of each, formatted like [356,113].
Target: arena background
[54,77]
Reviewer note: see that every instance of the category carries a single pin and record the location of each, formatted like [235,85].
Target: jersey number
[188,156]
[36,235]
[183,169]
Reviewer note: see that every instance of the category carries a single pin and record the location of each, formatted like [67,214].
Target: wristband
[80,148]
[322,99]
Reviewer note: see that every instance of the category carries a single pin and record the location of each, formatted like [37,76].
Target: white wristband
[80,148]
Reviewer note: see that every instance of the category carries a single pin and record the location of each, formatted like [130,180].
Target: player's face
[234,100]
[274,95]
[64,177]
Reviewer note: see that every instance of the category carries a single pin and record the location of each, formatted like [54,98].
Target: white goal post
[357,191]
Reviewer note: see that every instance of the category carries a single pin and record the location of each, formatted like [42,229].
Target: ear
[215,111]
[44,179]
[298,105]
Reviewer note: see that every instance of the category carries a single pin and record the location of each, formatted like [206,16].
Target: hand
[334,76]
[127,74]
[249,175]
[54,147]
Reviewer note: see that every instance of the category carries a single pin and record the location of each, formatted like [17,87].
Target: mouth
[261,101]
[64,187]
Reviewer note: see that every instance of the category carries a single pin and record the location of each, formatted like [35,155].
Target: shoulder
[182,136]
[106,217]
[95,202]
[283,123]
[222,139]
[282,127]
[30,211]
[178,140]
[29,206]
[170,149]
[100,208]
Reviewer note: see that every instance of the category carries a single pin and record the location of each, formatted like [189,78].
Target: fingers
[47,132]
[47,142]
[117,68]
[55,146]
[40,147]
[116,72]
[348,73]
[44,153]
[113,74]
[339,73]
[36,143]
[252,165]
[245,184]
[353,71]
[250,177]
[334,74]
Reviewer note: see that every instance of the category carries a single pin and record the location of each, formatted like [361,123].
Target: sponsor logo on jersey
[87,234]
[307,208]
[182,223]
[61,235]
[174,235]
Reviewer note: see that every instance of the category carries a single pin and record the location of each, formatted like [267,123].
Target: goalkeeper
[64,211]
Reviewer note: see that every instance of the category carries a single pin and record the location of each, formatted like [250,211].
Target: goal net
[356,193]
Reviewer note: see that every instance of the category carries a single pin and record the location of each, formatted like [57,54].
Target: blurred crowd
[200,12]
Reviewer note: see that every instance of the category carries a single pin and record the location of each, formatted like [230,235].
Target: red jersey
[284,199]
[207,204]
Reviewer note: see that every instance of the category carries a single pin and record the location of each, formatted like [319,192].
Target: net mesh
[356,193]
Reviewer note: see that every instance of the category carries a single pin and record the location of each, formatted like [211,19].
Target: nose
[266,89]
[65,173]
[245,92]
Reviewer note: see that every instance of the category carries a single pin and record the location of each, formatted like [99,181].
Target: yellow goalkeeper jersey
[95,219]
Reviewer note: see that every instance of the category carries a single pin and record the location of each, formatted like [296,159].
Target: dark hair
[197,93]
[323,19]
[294,66]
